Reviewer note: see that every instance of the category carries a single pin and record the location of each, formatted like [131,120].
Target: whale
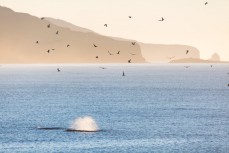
[67,130]
[50,128]
[87,131]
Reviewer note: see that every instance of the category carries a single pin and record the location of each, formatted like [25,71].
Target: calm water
[155,108]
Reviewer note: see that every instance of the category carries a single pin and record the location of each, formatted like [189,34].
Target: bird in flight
[42,18]
[48,25]
[187,51]
[57,32]
[211,65]
[37,42]
[53,49]
[58,70]
[133,43]
[105,25]
[68,45]
[95,45]
[123,73]
[129,61]
[102,67]
[97,57]
[205,3]
[110,53]
[48,51]
[171,57]
[162,19]
[130,17]
[132,54]
[118,52]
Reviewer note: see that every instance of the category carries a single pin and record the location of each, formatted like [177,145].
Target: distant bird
[48,51]
[186,67]
[123,73]
[129,61]
[102,67]
[130,17]
[171,57]
[109,53]
[37,42]
[48,25]
[53,49]
[42,18]
[68,45]
[205,3]
[132,54]
[118,52]
[105,25]
[97,57]
[162,19]
[187,51]
[58,70]
[95,45]
[133,43]
[57,32]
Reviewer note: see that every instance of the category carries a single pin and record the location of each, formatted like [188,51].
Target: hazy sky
[187,22]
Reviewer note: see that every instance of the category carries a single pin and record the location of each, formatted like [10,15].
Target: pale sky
[187,22]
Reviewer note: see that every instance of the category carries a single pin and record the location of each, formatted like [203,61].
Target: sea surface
[154,108]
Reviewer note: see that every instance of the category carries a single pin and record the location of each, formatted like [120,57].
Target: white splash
[85,123]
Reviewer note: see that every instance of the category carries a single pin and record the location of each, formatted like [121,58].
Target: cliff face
[167,53]
[19,33]
[215,57]
[195,60]
[151,52]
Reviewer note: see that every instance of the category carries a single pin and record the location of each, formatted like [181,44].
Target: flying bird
[53,49]
[95,45]
[171,57]
[162,19]
[48,51]
[133,43]
[68,45]
[97,57]
[105,25]
[129,61]
[118,52]
[211,65]
[186,67]
[37,42]
[58,70]
[102,67]
[130,17]
[48,25]
[109,53]
[123,73]
[57,32]
[205,3]
[187,51]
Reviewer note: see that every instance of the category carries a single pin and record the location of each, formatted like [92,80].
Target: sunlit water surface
[154,108]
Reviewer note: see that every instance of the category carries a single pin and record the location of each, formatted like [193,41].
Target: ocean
[154,108]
